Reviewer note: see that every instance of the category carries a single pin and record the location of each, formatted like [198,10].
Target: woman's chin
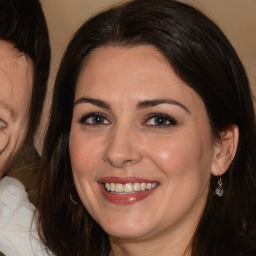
[126,232]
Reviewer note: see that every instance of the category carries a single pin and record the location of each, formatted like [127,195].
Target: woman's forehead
[132,75]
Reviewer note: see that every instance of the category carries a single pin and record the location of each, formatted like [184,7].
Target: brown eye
[160,120]
[94,119]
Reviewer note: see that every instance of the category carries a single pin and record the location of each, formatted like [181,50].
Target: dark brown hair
[202,57]
[23,24]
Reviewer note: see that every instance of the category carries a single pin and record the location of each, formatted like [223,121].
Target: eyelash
[168,120]
[163,117]
[83,119]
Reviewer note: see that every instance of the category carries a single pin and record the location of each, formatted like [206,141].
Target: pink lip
[128,198]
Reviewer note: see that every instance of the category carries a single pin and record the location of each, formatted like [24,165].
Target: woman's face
[16,81]
[140,144]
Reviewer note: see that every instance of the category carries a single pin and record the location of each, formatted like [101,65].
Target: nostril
[129,162]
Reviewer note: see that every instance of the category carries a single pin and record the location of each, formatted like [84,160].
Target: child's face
[16,82]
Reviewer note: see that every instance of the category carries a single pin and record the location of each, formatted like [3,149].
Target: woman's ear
[225,150]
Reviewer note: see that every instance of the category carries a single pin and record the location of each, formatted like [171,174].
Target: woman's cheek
[83,153]
[170,151]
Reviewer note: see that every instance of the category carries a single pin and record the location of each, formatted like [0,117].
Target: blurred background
[237,19]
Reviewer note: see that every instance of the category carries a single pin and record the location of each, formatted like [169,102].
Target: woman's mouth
[126,191]
[128,188]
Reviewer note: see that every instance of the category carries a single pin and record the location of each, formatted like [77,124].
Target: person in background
[24,71]
[151,144]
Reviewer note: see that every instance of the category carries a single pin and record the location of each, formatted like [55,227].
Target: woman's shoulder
[18,232]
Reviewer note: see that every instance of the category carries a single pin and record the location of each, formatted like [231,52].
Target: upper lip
[124,180]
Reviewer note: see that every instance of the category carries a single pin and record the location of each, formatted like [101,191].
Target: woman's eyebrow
[140,105]
[96,102]
[155,102]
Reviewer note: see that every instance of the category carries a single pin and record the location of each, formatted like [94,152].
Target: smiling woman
[24,70]
[16,78]
[151,144]
[154,132]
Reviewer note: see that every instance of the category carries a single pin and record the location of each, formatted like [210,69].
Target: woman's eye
[160,120]
[2,124]
[94,119]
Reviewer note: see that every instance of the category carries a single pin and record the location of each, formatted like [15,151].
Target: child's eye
[2,124]
[94,119]
[160,120]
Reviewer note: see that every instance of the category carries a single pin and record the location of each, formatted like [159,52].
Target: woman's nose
[123,147]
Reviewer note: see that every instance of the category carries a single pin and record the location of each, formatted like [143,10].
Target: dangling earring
[71,198]
[219,190]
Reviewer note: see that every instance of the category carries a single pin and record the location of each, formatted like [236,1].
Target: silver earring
[72,200]
[219,190]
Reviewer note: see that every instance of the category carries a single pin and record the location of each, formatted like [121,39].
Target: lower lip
[125,199]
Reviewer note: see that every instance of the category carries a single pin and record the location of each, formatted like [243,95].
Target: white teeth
[136,186]
[129,187]
[107,186]
[2,124]
[148,186]
[143,186]
[112,187]
[119,187]
[153,185]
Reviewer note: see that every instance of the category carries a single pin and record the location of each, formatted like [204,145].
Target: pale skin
[134,117]
[16,81]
